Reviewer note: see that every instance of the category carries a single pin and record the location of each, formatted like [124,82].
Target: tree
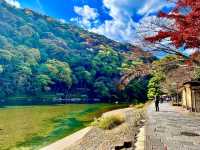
[107,62]
[57,70]
[5,56]
[21,78]
[149,27]
[154,87]
[186,16]
[42,82]
[135,90]
[170,74]
[84,77]
[161,72]
[101,89]
[1,69]
[28,55]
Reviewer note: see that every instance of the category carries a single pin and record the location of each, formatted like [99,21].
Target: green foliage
[58,71]
[136,90]
[5,56]
[1,68]
[101,88]
[197,74]
[162,66]
[159,73]
[107,62]
[83,76]
[168,75]
[42,82]
[153,88]
[39,55]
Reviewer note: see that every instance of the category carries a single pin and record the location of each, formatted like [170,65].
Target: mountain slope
[41,55]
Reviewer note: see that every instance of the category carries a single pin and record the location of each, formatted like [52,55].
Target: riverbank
[122,136]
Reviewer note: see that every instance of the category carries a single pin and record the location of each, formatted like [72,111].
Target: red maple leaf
[187,24]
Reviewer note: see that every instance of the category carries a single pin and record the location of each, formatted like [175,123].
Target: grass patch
[109,122]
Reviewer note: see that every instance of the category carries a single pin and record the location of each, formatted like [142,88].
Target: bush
[139,106]
[109,122]
[197,74]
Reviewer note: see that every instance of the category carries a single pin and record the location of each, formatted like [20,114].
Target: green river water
[32,127]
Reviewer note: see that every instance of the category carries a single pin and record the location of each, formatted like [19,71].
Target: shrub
[109,122]
[197,74]
[139,106]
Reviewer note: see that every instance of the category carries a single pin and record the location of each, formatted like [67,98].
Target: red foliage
[195,56]
[188,62]
[187,25]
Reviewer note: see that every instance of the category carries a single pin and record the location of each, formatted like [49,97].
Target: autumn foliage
[186,15]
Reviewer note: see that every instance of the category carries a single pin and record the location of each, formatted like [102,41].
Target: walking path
[172,128]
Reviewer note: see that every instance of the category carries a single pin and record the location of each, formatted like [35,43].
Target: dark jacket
[156,100]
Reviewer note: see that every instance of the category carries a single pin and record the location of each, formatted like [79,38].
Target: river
[32,127]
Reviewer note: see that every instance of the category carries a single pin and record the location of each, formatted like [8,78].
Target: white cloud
[62,20]
[190,51]
[14,3]
[122,26]
[150,26]
[152,6]
[87,16]
[117,30]
[40,6]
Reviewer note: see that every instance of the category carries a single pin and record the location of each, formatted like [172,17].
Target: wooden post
[185,96]
[191,98]
[177,93]
[194,99]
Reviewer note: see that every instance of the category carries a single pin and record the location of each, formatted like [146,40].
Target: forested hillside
[43,56]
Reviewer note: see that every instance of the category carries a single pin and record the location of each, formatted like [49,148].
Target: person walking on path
[157,103]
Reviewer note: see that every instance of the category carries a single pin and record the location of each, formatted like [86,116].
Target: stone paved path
[172,129]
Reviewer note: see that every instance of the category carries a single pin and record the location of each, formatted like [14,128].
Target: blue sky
[116,19]
[63,9]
